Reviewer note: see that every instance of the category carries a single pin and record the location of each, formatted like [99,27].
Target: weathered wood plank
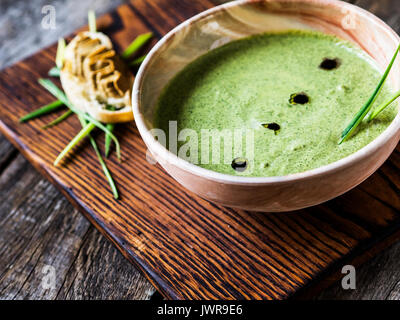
[388,10]
[30,235]
[37,230]
[22,32]
[41,229]
[7,153]
[92,268]
[101,272]
[378,279]
[395,292]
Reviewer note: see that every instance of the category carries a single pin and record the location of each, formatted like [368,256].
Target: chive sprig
[138,61]
[83,133]
[42,111]
[61,118]
[60,95]
[102,163]
[368,105]
[54,72]
[383,106]
[138,43]
[60,53]
[88,123]
[92,21]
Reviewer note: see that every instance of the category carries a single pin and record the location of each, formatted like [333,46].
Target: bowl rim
[157,148]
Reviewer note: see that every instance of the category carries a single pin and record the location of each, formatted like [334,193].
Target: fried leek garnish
[96,80]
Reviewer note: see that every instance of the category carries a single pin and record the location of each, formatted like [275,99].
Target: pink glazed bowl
[238,19]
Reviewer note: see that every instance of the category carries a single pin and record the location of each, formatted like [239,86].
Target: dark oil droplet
[330,64]
[272,126]
[299,98]
[239,164]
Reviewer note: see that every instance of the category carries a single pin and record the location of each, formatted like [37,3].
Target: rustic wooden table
[38,226]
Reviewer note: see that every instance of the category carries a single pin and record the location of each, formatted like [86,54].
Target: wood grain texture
[47,231]
[92,268]
[7,153]
[378,278]
[22,33]
[233,254]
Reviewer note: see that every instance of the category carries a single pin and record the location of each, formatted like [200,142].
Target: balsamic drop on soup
[299,98]
[330,64]
[239,164]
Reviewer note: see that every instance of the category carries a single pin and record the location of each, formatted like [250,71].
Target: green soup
[251,85]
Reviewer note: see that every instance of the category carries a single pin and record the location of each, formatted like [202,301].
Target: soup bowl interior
[239,19]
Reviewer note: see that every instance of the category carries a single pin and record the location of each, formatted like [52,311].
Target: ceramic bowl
[239,19]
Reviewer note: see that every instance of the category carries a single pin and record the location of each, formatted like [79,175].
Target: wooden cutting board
[186,246]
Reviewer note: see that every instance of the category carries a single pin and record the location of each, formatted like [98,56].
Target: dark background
[39,227]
